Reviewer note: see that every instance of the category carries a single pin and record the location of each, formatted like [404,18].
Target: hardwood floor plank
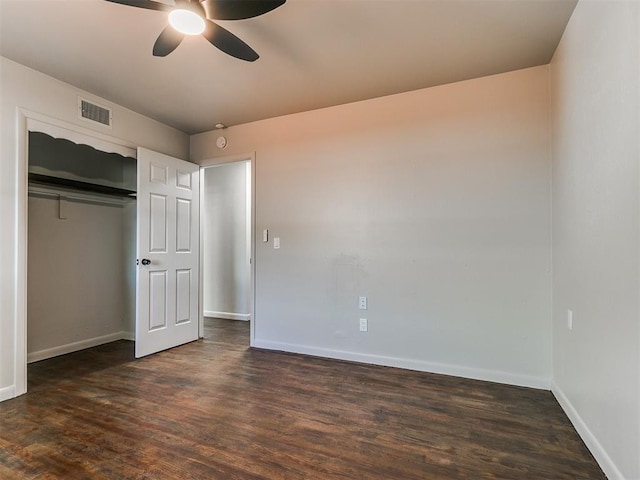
[215,409]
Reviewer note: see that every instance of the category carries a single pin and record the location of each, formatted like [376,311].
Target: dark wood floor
[215,409]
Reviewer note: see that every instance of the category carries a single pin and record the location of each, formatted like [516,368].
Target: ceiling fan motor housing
[201,23]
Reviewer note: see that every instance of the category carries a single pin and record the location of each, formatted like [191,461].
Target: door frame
[27,119]
[212,162]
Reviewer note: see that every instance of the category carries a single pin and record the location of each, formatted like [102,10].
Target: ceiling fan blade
[148,4]
[228,42]
[239,9]
[167,42]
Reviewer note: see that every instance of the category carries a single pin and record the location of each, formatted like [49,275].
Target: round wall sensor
[221,142]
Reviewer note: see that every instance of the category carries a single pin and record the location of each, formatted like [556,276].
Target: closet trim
[82,137]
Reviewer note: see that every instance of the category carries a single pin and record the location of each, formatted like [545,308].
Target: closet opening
[81,253]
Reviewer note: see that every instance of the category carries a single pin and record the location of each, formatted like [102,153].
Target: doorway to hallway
[226,241]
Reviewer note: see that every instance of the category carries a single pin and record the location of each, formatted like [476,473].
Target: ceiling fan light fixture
[186,21]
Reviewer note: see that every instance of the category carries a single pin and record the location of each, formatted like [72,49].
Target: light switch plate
[276,242]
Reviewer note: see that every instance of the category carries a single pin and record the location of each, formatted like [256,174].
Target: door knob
[146,261]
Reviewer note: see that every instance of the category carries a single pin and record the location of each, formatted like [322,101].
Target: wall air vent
[95,113]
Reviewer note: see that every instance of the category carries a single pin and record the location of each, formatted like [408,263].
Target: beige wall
[435,204]
[595,84]
[23,88]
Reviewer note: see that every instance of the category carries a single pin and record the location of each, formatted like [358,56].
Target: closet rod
[78,185]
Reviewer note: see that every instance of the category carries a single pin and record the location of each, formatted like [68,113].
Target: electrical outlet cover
[362,303]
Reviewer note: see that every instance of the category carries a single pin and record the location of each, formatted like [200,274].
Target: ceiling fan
[193,17]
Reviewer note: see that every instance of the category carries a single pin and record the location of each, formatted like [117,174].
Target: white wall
[75,276]
[23,88]
[595,86]
[225,251]
[435,204]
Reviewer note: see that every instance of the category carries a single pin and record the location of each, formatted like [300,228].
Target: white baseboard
[595,447]
[7,392]
[74,347]
[227,315]
[411,364]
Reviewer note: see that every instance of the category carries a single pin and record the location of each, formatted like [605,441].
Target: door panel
[158,223]
[159,173]
[157,300]
[168,241]
[183,220]
[183,294]
[183,179]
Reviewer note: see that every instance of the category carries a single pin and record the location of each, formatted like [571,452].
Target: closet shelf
[78,185]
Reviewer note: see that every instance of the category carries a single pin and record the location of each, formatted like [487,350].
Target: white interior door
[168,252]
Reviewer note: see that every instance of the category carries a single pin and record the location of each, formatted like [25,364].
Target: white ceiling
[314,53]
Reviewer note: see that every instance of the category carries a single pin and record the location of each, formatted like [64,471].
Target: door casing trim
[211,162]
